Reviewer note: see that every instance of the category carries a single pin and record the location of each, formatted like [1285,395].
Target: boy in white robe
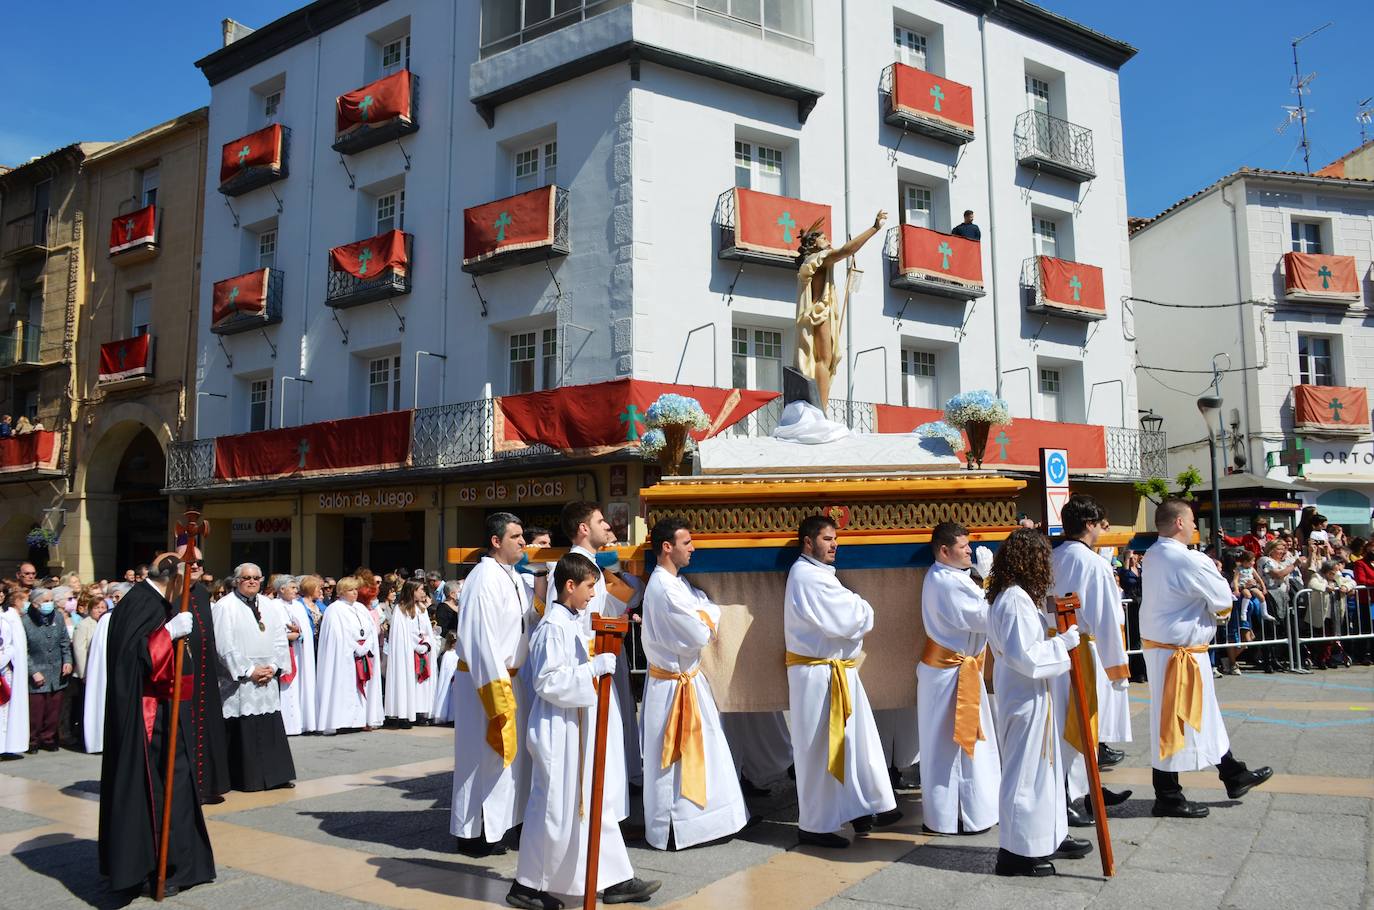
[553,841]
[691,793]
[841,775]
[442,710]
[961,772]
[1183,595]
[298,677]
[14,669]
[348,678]
[1033,826]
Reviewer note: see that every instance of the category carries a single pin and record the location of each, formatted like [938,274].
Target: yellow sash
[1182,695]
[682,738]
[498,701]
[968,693]
[840,705]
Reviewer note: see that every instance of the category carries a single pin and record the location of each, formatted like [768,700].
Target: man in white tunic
[492,644]
[1183,595]
[961,771]
[691,793]
[553,840]
[14,674]
[841,774]
[348,679]
[298,678]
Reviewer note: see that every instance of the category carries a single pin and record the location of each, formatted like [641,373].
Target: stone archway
[124,516]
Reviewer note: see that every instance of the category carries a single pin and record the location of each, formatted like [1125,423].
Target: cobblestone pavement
[367,826]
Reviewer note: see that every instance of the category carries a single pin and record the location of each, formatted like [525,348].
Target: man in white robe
[298,677]
[961,771]
[14,670]
[841,775]
[492,644]
[691,792]
[348,679]
[1183,595]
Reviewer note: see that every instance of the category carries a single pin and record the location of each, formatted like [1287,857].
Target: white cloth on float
[804,423]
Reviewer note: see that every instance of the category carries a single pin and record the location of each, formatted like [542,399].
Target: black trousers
[1169,790]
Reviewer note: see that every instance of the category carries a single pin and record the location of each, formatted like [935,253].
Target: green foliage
[1157,488]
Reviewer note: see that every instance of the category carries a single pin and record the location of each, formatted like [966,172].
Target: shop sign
[258,528]
[523,491]
[377,499]
[1350,461]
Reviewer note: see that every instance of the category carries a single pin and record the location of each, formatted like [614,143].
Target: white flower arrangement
[938,429]
[676,410]
[651,444]
[976,407]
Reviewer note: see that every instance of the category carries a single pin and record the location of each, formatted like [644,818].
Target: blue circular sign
[1057,468]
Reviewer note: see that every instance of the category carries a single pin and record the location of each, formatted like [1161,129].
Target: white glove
[179,626]
[603,665]
[361,651]
[1121,685]
[982,561]
[1070,637]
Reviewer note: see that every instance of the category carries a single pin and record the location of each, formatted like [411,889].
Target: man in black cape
[210,753]
[140,659]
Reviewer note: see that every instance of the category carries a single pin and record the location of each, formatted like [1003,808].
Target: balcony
[764,229]
[924,103]
[1061,287]
[30,236]
[254,160]
[374,269]
[126,363]
[32,455]
[247,302]
[1314,278]
[19,350]
[136,236]
[1330,410]
[528,227]
[929,262]
[1053,146]
[381,112]
[1136,454]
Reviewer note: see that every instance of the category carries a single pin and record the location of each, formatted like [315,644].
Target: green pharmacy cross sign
[1293,457]
[632,418]
[945,252]
[501,223]
[788,225]
[938,94]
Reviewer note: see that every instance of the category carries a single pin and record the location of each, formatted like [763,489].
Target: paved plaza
[367,826]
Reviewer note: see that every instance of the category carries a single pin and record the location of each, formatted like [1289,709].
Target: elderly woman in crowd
[50,664]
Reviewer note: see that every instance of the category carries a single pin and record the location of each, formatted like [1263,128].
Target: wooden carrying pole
[610,633]
[1066,614]
[193,530]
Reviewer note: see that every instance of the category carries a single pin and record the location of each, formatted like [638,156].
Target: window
[757,358]
[396,55]
[1049,394]
[141,312]
[1037,94]
[149,178]
[916,205]
[384,384]
[259,404]
[536,166]
[391,211]
[759,167]
[920,388]
[1315,363]
[1046,236]
[549,354]
[267,249]
[521,362]
[271,103]
[910,47]
[1307,237]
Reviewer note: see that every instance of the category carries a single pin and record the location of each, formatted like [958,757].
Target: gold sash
[1182,695]
[682,738]
[498,701]
[968,693]
[840,705]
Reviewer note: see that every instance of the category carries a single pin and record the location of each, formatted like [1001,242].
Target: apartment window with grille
[910,47]
[141,312]
[536,166]
[384,384]
[1307,237]
[391,211]
[522,377]
[1046,233]
[760,167]
[267,249]
[259,404]
[1049,394]
[271,103]
[1316,366]
[920,388]
[396,55]
[1037,94]
[148,179]
[916,202]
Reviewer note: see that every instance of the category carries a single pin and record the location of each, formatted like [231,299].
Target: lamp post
[1151,422]
[195,431]
[1209,406]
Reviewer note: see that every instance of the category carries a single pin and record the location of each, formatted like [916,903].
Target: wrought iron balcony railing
[20,349]
[1055,146]
[561,244]
[250,178]
[31,235]
[366,136]
[859,416]
[1136,454]
[347,290]
[908,276]
[270,314]
[931,125]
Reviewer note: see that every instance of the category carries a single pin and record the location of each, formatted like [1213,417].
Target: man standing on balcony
[968,230]
[819,308]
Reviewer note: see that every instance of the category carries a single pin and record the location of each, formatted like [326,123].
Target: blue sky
[1203,96]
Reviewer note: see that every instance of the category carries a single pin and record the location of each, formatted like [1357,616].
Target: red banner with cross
[930,254]
[387,98]
[244,295]
[770,224]
[129,358]
[930,97]
[1315,277]
[36,451]
[260,149]
[366,259]
[133,229]
[519,222]
[1016,444]
[371,443]
[1071,286]
[605,416]
[1332,409]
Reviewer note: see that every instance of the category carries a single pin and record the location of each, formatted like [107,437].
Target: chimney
[233,31]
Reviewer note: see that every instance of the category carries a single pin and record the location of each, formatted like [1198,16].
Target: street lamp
[1151,422]
[1209,406]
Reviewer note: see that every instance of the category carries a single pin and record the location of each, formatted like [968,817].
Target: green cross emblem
[1002,440]
[1293,457]
[363,259]
[1335,404]
[945,252]
[122,352]
[233,296]
[788,226]
[364,105]
[938,94]
[301,448]
[243,154]
[632,418]
[501,223]
[129,229]
[1326,276]
[1077,287]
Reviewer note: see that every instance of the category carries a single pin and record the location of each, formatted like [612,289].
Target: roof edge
[1292,177]
[157,131]
[1057,29]
[280,35]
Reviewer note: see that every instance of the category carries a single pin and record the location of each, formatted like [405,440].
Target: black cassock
[210,752]
[139,657]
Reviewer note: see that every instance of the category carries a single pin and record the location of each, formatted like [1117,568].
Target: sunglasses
[251,578]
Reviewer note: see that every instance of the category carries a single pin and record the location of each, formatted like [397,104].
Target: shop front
[1342,473]
[384,528]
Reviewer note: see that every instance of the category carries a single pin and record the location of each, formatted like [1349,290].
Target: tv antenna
[1363,116]
[1301,85]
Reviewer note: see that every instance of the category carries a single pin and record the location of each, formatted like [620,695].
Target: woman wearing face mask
[50,663]
[14,663]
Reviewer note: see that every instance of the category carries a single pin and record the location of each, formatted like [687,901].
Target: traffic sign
[1054,471]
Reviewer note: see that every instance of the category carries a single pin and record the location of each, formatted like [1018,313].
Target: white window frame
[1045,236]
[760,167]
[910,47]
[390,207]
[148,184]
[759,344]
[1309,372]
[1051,386]
[534,166]
[920,378]
[522,352]
[400,45]
[141,312]
[267,249]
[260,398]
[918,205]
[271,105]
[1037,94]
[1306,236]
[548,356]
[384,374]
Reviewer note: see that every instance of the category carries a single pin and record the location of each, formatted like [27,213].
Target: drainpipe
[1242,313]
[992,196]
[848,214]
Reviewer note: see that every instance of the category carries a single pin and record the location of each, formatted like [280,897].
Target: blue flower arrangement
[979,406]
[938,429]
[677,410]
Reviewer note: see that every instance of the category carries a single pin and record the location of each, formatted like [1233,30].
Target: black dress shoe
[812,839]
[1073,848]
[632,891]
[929,830]
[884,819]
[1181,809]
[863,824]
[1078,814]
[526,898]
[214,799]
[748,788]
[1109,797]
[1009,863]
[1242,784]
[478,848]
[1107,756]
